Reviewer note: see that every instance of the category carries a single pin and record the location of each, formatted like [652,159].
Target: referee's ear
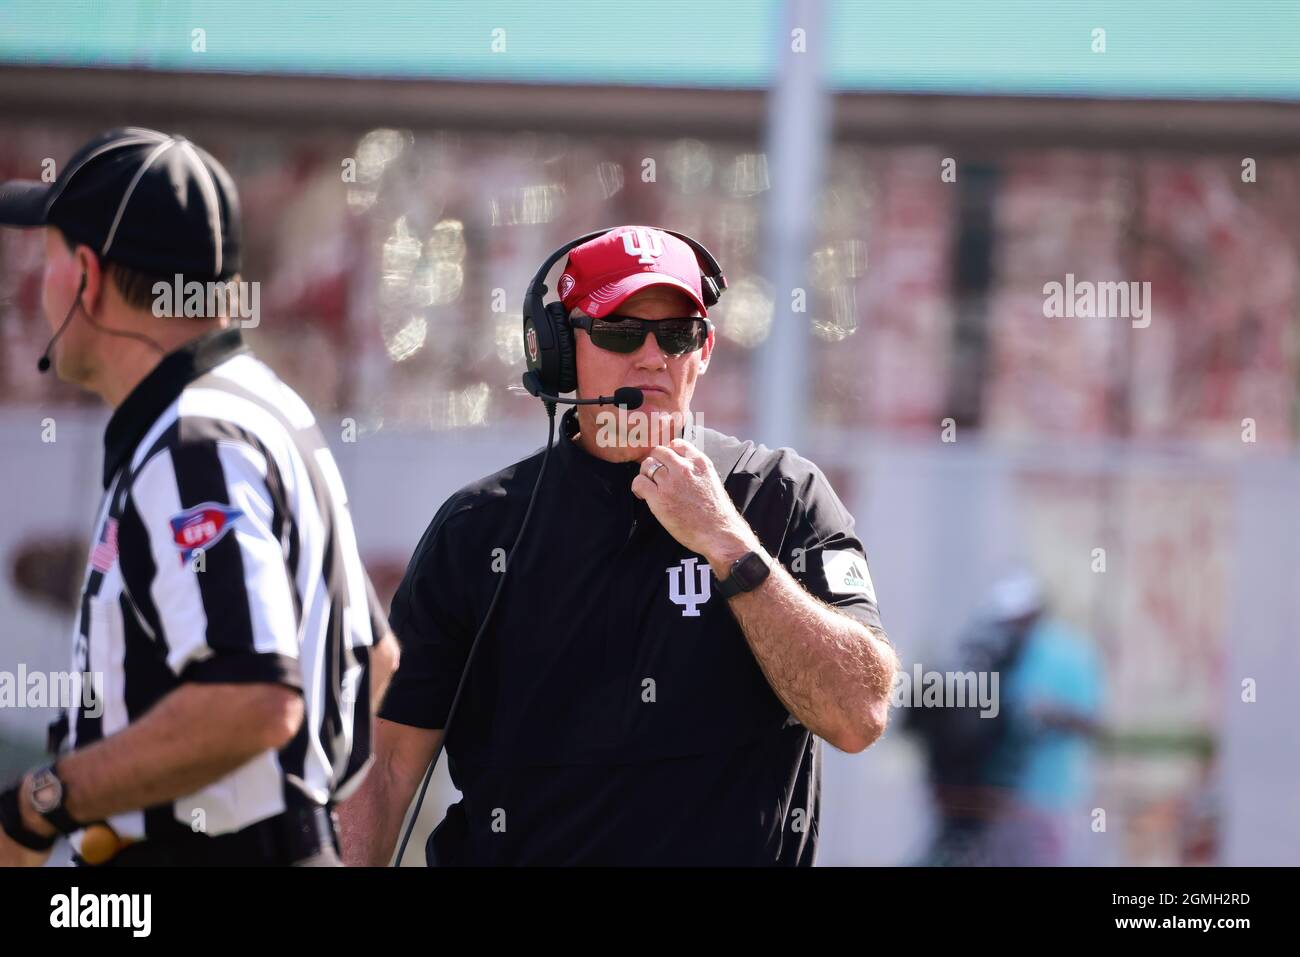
[88,264]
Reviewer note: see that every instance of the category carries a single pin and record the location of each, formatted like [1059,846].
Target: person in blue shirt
[1051,700]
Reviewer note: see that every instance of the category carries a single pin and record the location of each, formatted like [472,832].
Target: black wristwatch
[48,795]
[747,573]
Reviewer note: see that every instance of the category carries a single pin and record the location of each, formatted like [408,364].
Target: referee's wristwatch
[49,798]
[747,573]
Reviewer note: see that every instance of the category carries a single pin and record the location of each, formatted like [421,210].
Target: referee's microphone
[628,397]
[43,363]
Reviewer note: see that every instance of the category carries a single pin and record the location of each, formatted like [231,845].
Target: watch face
[751,570]
[47,791]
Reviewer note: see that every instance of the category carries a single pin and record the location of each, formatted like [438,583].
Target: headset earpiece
[711,292]
[566,362]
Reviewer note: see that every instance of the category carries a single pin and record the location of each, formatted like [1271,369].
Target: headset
[552,369]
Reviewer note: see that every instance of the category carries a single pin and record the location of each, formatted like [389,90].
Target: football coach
[687,615]
[225,613]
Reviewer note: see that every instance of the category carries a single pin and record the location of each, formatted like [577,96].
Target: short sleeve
[199,557]
[823,553]
[431,616]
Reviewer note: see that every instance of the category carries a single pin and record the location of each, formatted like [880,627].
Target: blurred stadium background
[483,135]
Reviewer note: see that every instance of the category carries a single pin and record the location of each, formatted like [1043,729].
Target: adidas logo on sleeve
[846,574]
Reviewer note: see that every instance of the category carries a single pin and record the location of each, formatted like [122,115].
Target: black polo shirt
[614,712]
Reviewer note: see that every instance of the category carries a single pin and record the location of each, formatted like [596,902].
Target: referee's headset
[43,363]
[553,369]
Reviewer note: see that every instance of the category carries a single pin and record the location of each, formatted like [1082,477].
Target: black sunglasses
[676,337]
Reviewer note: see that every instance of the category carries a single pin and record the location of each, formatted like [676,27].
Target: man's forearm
[831,672]
[370,819]
[367,832]
[368,822]
[192,737]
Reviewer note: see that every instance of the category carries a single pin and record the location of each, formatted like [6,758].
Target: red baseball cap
[600,274]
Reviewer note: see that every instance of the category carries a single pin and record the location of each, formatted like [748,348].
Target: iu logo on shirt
[697,585]
[201,527]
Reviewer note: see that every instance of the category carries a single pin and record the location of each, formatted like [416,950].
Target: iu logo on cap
[645,244]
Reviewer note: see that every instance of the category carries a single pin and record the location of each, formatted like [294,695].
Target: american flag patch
[104,553]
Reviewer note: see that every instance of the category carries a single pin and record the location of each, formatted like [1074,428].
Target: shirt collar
[614,478]
[140,410]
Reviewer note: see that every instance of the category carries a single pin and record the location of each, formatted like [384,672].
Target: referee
[681,624]
[225,609]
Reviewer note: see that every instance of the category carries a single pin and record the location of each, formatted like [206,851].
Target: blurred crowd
[407,254]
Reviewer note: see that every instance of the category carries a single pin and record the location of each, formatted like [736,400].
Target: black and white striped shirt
[224,552]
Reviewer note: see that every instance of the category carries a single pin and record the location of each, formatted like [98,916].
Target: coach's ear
[707,350]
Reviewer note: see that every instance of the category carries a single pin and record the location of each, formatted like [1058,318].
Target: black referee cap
[152,201]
